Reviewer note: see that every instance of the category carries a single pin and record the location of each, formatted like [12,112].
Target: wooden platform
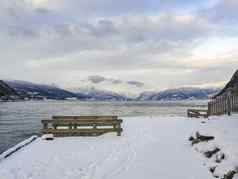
[62,126]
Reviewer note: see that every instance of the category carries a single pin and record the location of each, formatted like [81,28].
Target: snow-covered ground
[225,131]
[150,147]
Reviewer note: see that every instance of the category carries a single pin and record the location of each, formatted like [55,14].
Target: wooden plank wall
[223,105]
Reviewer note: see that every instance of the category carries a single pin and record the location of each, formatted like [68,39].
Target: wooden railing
[226,104]
[61,126]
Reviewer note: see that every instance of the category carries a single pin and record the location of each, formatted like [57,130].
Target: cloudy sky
[167,43]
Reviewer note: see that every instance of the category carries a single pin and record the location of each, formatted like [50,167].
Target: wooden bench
[62,126]
[197,113]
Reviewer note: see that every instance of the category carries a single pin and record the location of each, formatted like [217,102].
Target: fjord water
[20,120]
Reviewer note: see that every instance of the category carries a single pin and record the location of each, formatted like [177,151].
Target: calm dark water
[20,120]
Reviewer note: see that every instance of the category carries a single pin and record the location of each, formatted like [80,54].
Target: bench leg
[45,126]
[119,130]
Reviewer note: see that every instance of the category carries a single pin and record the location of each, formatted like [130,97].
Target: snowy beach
[150,147]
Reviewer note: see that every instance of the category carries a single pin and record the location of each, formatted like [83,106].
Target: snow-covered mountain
[178,94]
[137,90]
[39,91]
[97,88]
[99,95]
[130,88]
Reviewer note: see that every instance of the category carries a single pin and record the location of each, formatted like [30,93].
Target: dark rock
[230,174]
[203,138]
[191,138]
[219,158]
[195,141]
[210,153]
[212,169]
[200,138]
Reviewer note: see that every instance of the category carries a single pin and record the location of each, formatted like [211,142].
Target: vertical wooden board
[212,108]
[236,103]
[209,109]
[216,107]
[221,106]
[232,103]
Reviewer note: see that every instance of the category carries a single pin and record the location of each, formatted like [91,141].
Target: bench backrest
[73,122]
[86,117]
[197,113]
[82,120]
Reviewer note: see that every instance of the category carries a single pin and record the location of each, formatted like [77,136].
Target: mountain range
[179,94]
[29,91]
[39,91]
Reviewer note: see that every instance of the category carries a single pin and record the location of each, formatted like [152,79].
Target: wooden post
[119,130]
[228,105]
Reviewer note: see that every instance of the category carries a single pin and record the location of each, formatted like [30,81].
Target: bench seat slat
[80,130]
[78,125]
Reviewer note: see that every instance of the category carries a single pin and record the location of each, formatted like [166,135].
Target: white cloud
[54,41]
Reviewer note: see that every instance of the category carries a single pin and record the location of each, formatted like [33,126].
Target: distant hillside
[39,91]
[6,92]
[100,95]
[232,85]
[178,94]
